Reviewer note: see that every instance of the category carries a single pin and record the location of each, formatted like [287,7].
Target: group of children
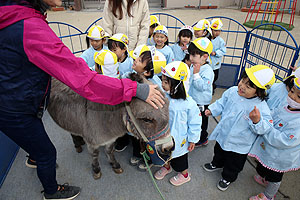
[257,119]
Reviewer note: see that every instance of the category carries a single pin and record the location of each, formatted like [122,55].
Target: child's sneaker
[210,167]
[179,179]
[134,160]
[30,163]
[260,180]
[65,192]
[143,167]
[223,185]
[260,196]
[202,144]
[162,172]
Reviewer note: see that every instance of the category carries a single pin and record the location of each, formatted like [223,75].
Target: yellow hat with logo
[96,32]
[154,20]
[216,24]
[261,75]
[138,50]
[161,29]
[297,83]
[120,37]
[203,24]
[204,44]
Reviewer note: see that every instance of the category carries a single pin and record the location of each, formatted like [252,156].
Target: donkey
[100,125]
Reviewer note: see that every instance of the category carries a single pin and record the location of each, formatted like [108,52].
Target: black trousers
[180,163]
[268,174]
[232,162]
[204,133]
[216,72]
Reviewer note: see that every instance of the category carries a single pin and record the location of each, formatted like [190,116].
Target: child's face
[216,33]
[119,52]
[245,90]
[294,94]
[197,59]
[184,40]
[138,65]
[198,33]
[165,83]
[97,44]
[159,39]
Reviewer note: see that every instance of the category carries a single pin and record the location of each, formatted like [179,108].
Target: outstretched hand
[207,112]
[155,98]
[255,115]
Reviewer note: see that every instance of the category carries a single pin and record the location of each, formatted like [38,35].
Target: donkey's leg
[109,151]
[78,142]
[95,164]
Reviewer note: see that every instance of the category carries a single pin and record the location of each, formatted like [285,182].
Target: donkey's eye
[146,120]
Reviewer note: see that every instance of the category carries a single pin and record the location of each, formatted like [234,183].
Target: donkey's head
[153,123]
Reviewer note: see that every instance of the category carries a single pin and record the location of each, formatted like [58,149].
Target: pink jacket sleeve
[46,51]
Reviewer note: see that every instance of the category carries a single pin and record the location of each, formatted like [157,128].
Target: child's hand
[197,67]
[207,112]
[184,47]
[191,146]
[255,115]
[293,68]
[213,53]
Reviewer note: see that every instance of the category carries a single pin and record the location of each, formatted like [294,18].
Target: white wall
[182,3]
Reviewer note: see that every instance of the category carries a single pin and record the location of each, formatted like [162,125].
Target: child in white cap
[118,44]
[95,38]
[245,115]
[107,63]
[278,151]
[201,80]
[154,22]
[185,122]
[278,93]
[179,49]
[202,29]
[160,36]
[219,49]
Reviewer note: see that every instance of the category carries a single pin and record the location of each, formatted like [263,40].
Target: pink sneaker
[179,179]
[260,180]
[162,172]
[260,196]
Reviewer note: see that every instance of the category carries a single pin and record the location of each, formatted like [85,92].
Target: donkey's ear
[136,77]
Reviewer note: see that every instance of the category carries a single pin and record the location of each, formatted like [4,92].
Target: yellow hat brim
[251,76]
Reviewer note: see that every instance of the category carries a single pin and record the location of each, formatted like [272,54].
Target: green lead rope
[146,158]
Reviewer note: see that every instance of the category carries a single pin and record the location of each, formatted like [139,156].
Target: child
[187,60]
[201,80]
[107,63]
[278,151]
[236,133]
[118,44]
[160,36]
[154,22]
[277,94]
[184,38]
[185,122]
[202,29]
[95,37]
[219,49]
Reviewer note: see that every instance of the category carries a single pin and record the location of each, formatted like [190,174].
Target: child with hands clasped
[278,151]
[245,115]
[185,121]
[160,36]
[180,48]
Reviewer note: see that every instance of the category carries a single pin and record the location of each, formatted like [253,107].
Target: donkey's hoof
[97,175]
[78,149]
[118,171]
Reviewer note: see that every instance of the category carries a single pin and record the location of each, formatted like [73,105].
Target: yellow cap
[154,20]
[138,50]
[216,24]
[204,44]
[261,75]
[96,32]
[108,62]
[120,37]
[161,29]
[203,24]
[297,83]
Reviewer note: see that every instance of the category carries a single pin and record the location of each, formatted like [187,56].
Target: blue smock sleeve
[194,124]
[264,125]
[204,82]
[221,51]
[217,107]
[283,140]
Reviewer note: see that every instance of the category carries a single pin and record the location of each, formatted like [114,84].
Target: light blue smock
[277,95]
[185,124]
[235,131]
[150,41]
[125,66]
[88,56]
[200,85]
[168,53]
[279,149]
[179,54]
[220,48]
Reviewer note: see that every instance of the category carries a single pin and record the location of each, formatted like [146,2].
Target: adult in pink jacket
[30,53]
